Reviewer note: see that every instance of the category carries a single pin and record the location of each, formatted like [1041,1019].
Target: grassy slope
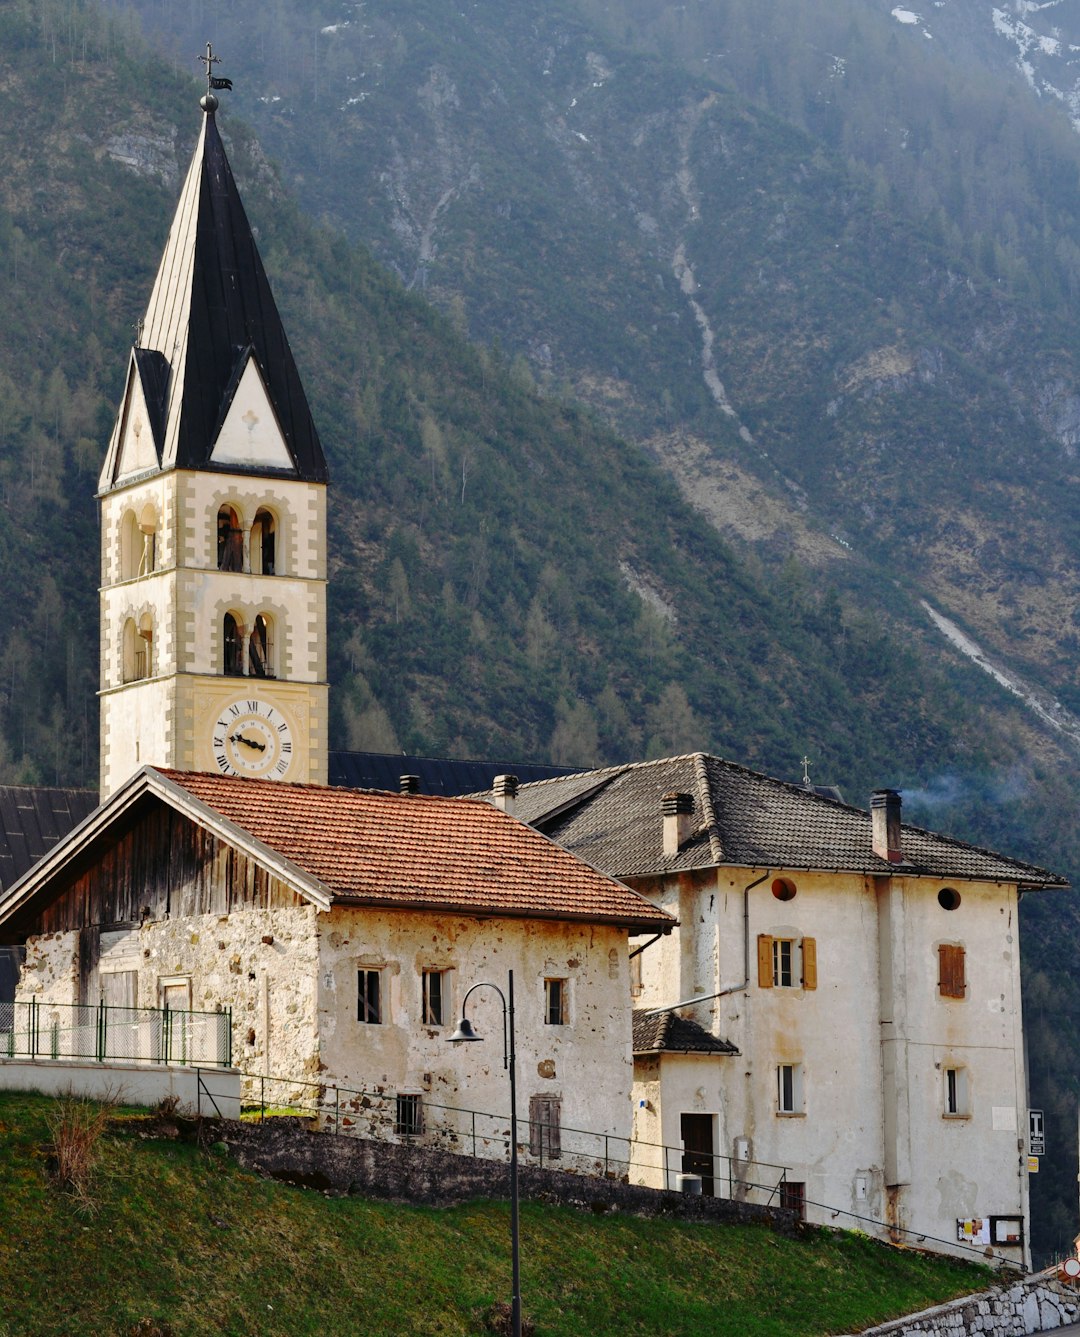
[183,1238]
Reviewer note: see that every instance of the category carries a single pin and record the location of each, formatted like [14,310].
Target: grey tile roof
[612,819]
[32,820]
[666,1033]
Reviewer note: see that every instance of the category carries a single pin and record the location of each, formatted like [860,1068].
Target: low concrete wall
[129,1084]
[285,1148]
[1036,1304]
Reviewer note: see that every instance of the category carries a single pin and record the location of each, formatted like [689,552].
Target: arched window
[147,541]
[138,645]
[129,650]
[144,649]
[230,541]
[130,546]
[264,543]
[261,648]
[233,645]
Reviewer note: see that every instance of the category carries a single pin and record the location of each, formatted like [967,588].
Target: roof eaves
[660,921]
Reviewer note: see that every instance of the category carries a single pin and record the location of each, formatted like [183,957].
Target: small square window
[789,1088]
[409,1119]
[554,1002]
[793,1198]
[369,997]
[434,997]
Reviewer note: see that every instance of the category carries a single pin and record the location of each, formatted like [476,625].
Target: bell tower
[213,515]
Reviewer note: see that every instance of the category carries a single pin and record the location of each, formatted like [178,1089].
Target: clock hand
[248,742]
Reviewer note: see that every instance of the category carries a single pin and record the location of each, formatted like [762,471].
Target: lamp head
[464,1032]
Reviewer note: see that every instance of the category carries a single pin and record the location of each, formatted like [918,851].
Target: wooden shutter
[951,982]
[764,960]
[809,963]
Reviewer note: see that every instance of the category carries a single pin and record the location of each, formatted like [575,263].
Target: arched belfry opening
[261,648]
[264,543]
[230,540]
[232,645]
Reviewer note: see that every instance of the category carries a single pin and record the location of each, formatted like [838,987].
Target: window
[554,1002]
[368,997]
[230,541]
[784,889]
[409,1117]
[793,1198]
[948,898]
[956,1093]
[782,950]
[545,1115]
[786,963]
[263,543]
[951,980]
[232,644]
[637,986]
[789,1088]
[434,998]
[261,649]
[130,546]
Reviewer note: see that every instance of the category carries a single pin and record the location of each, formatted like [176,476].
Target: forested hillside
[509,576]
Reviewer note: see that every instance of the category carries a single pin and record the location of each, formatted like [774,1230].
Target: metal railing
[377,1115]
[105,1033]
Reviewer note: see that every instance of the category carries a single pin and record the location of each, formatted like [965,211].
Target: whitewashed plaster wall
[665,1089]
[585,1063]
[877,978]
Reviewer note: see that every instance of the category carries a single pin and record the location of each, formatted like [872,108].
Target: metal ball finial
[209,103]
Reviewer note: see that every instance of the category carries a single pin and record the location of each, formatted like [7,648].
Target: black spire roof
[210,314]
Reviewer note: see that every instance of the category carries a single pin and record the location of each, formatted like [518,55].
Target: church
[340,929]
[236,863]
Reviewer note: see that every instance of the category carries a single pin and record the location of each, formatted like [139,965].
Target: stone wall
[285,1149]
[1035,1304]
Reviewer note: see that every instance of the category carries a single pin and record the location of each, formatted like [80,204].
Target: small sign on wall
[1006,1231]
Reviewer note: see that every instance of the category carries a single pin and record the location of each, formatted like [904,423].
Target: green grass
[181,1241]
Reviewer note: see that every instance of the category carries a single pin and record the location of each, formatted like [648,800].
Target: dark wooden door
[697,1138]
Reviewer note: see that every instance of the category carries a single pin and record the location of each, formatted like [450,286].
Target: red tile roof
[420,850]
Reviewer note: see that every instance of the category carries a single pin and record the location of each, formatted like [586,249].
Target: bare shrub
[77,1127]
[500,1320]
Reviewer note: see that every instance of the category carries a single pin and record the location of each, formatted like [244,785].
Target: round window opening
[783,889]
[948,899]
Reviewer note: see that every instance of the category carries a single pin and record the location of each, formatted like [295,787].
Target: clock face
[252,737]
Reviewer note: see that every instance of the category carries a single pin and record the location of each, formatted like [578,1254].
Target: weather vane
[213,81]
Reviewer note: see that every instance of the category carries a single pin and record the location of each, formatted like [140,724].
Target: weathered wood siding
[166,867]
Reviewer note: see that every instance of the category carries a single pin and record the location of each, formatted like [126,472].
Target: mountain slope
[510,577]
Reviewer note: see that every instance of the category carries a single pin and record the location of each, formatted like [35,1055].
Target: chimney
[504,792]
[408,784]
[885,825]
[678,810]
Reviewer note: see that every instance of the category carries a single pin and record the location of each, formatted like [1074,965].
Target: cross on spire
[213,81]
[806,771]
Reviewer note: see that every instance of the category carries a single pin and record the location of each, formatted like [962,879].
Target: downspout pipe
[732,988]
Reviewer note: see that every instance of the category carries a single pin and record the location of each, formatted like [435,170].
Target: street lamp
[465,1032]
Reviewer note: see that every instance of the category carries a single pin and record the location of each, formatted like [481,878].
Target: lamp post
[465,1032]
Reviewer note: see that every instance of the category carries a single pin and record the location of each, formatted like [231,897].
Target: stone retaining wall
[285,1148]
[1036,1304]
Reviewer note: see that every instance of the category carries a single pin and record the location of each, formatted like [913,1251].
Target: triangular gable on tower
[214,327]
[250,435]
[135,445]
